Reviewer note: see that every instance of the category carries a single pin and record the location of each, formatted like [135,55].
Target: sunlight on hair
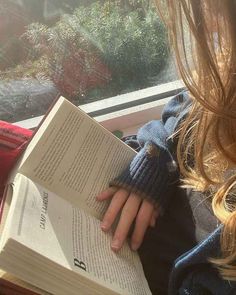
[208,71]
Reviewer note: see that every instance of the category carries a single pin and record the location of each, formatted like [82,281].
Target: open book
[50,228]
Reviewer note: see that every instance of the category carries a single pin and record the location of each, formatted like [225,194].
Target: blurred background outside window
[84,50]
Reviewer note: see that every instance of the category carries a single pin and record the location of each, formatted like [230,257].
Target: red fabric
[12,142]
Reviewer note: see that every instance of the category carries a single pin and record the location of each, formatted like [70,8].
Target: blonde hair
[203,36]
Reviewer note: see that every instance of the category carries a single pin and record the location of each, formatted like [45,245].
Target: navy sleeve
[192,273]
[154,172]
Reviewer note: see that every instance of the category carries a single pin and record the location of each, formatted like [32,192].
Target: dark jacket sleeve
[154,172]
[192,273]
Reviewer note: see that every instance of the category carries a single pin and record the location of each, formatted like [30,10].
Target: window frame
[126,112]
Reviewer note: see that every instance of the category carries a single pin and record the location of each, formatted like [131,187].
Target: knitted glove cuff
[151,174]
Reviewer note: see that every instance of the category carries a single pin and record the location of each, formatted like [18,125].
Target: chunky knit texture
[152,166]
[153,173]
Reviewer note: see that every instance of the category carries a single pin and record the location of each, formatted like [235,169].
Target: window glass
[85,50]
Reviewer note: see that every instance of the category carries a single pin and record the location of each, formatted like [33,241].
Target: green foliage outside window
[99,45]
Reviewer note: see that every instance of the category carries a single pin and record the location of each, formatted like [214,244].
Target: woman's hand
[131,207]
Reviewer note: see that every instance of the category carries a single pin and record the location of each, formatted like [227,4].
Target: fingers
[142,222]
[130,207]
[114,208]
[127,217]
[108,193]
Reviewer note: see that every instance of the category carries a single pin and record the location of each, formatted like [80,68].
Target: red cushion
[12,142]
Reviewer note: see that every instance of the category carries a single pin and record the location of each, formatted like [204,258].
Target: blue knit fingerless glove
[152,174]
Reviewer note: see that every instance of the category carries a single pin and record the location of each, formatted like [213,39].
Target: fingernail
[98,197]
[115,244]
[134,246]
[153,223]
[104,225]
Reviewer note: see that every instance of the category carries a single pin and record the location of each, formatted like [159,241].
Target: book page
[5,206]
[75,157]
[54,228]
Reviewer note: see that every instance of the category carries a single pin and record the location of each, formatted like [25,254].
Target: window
[84,50]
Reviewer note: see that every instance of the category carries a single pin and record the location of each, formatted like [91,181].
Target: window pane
[84,50]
